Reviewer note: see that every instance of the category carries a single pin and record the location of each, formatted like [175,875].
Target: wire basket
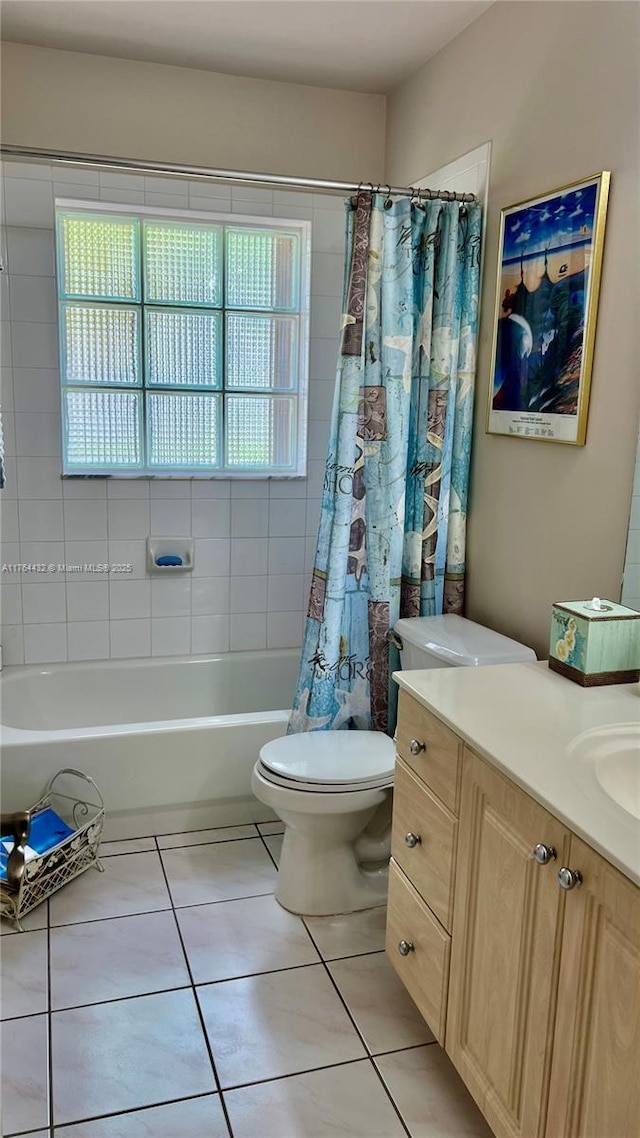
[82,808]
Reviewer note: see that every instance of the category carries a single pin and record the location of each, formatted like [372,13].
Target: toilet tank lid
[461,642]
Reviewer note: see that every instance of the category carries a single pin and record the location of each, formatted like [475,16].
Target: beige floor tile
[204,837]
[237,938]
[133,883]
[379,1003]
[430,1095]
[109,960]
[275,846]
[25,1074]
[347,1101]
[127,1054]
[128,846]
[276,1024]
[271,828]
[36,919]
[350,934]
[199,1117]
[220,872]
[23,975]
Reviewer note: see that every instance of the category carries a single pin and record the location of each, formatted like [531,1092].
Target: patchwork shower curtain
[392,527]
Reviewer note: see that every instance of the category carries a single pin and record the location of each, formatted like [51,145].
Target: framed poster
[550,259]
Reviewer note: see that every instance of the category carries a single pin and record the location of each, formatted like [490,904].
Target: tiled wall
[254,540]
[631,582]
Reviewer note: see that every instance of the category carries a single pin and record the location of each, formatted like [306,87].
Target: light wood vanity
[530,985]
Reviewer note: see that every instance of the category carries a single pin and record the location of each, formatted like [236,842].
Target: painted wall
[67,100]
[254,540]
[555,89]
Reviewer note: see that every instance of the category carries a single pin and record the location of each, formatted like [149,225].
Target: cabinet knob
[544,854]
[416,747]
[405,947]
[569,878]
[412,840]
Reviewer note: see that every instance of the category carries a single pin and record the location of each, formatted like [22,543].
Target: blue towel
[47,830]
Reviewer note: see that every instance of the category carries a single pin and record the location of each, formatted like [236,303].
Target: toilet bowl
[326,786]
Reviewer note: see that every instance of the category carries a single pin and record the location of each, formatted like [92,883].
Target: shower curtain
[391,540]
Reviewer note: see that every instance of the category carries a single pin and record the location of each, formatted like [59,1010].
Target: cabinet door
[506,933]
[595,1075]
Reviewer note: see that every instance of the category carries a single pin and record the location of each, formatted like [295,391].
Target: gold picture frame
[547,291]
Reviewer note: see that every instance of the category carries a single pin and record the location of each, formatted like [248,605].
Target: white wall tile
[88,640]
[9,514]
[12,168]
[33,298]
[287,518]
[249,556]
[168,488]
[318,440]
[321,393]
[9,432]
[41,521]
[31,251]
[127,488]
[171,517]
[210,596]
[39,478]
[159,185]
[249,518]
[6,389]
[74,190]
[34,345]
[130,638]
[10,601]
[250,488]
[128,519]
[166,201]
[29,201]
[211,557]
[42,553]
[210,488]
[84,520]
[45,643]
[92,488]
[286,555]
[284,629]
[13,643]
[323,359]
[6,355]
[248,631]
[38,434]
[43,603]
[10,488]
[248,594]
[80,553]
[77,176]
[325,318]
[211,517]
[287,488]
[87,600]
[129,599]
[110,180]
[171,636]
[129,552]
[209,634]
[121,197]
[170,596]
[328,231]
[287,592]
[327,272]
[205,203]
[37,389]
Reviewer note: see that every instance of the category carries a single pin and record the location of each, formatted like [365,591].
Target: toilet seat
[329,761]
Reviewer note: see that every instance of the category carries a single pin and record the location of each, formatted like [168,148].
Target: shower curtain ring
[387,201]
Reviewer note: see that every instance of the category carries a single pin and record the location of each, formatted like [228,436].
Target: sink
[614,755]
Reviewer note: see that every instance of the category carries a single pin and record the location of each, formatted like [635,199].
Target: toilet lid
[331,758]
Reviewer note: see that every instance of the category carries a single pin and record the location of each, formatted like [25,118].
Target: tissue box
[595,642]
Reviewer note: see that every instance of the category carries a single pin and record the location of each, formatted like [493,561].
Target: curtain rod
[139,166]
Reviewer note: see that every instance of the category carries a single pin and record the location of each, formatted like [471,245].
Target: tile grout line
[196,1001]
[49,1027]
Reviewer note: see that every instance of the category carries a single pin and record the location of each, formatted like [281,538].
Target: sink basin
[614,755]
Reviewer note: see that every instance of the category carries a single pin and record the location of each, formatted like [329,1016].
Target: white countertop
[523,718]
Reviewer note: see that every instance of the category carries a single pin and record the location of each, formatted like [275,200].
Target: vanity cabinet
[533,989]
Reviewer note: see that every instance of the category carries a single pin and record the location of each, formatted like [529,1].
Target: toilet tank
[451,641]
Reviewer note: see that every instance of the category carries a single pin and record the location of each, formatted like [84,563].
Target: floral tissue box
[595,642]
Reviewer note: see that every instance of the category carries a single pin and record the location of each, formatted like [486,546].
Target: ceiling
[357,45]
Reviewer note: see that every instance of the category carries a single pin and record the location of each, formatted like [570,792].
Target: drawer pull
[569,878]
[412,840]
[415,746]
[543,854]
[405,947]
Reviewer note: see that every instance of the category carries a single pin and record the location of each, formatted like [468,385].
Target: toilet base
[317,878]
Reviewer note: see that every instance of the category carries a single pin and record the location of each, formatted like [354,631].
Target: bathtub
[170,742]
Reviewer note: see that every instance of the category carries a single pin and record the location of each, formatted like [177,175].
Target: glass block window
[183,342]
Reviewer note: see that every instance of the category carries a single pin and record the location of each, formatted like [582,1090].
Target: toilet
[326,786]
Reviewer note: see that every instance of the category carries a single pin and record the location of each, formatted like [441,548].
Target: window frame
[300,393]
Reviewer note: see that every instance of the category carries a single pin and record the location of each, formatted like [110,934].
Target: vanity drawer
[438,762]
[428,862]
[424,970]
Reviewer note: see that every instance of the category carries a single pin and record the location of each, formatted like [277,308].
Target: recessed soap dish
[170,547]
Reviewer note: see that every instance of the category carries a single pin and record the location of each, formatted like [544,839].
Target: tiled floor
[172,996]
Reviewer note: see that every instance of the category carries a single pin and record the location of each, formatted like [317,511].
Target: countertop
[524,718]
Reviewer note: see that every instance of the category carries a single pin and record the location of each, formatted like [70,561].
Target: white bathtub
[170,742]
